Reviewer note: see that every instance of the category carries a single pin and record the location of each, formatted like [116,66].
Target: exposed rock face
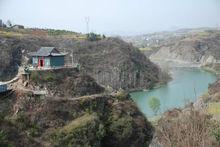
[12,49]
[208,60]
[196,47]
[117,64]
[10,58]
[111,62]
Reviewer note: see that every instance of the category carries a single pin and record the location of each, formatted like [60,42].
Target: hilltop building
[48,57]
[17,27]
[3,87]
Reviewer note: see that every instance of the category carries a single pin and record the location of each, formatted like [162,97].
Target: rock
[199,105]
[25,84]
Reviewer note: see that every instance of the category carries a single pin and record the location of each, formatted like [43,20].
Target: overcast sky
[122,17]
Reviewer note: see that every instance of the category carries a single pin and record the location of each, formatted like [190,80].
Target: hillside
[81,116]
[111,61]
[77,107]
[201,118]
[198,47]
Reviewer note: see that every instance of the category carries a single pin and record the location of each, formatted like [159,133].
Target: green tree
[93,37]
[154,104]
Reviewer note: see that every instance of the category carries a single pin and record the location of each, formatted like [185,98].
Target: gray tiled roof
[47,51]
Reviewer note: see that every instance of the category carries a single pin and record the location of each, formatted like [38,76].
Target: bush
[205,97]
[34,76]
[154,104]
[80,132]
[93,37]
[215,131]
[24,123]
[4,139]
[49,77]
[187,130]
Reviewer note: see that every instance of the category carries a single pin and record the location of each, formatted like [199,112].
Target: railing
[31,68]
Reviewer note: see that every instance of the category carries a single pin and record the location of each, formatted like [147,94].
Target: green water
[186,86]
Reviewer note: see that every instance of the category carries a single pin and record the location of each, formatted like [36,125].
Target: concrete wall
[47,61]
[34,61]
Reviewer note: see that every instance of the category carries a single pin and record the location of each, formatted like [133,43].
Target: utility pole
[87,19]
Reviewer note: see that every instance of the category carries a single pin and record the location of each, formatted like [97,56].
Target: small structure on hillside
[17,27]
[48,57]
[3,87]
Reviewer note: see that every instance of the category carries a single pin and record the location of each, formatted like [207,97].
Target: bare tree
[9,23]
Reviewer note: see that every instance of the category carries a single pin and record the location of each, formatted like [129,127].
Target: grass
[8,32]
[214,108]
[78,123]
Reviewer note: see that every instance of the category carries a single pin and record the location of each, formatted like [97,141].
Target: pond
[186,86]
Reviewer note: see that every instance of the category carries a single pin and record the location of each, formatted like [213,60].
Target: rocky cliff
[111,61]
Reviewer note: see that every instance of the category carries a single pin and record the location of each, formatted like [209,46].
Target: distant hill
[198,46]
[36,32]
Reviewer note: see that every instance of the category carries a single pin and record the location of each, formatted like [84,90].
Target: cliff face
[197,48]
[13,53]
[111,62]
[117,64]
[10,58]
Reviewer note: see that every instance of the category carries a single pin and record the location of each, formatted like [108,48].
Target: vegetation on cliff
[65,82]
[110,61]
[99,120]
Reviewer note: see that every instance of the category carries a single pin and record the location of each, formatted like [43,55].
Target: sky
[113,17]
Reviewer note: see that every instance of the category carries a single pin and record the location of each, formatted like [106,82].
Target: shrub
[24,123]
[101,132]
[49,77]
[215,131]
[34,76]
[205,97]
[4,139]
[187,130]
[93,37]
[154,104]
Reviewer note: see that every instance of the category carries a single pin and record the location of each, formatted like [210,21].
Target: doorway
[41,62]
